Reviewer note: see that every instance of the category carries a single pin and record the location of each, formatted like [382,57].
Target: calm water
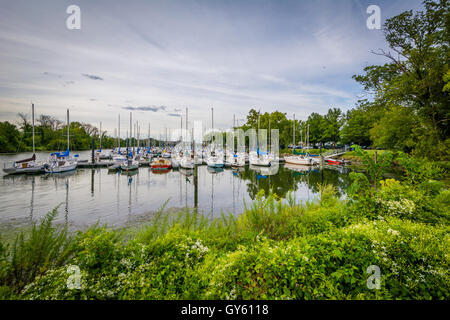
[87,196]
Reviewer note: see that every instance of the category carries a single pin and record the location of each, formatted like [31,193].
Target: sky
[156,58]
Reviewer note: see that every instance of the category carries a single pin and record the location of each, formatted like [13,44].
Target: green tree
[9,137]
[414,78]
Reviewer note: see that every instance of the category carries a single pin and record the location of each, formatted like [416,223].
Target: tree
[331,126]
[414,76]
[9,137]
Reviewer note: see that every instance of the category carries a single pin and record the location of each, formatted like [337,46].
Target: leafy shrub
[46,247]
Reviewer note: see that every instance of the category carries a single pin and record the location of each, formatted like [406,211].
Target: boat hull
[28,170]
[61,169]
[299,161]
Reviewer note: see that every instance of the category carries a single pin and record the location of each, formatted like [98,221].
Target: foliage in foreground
[277,249]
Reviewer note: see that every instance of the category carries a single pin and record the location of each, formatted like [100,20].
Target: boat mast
[307,142]
[293,135]
[131,129]
[185,146]
[270,138]
[257,135]
[100,135]
[118,134]
[68,128]
[212,128]
[32,117]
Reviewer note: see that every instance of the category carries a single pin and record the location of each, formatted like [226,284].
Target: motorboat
[161,163]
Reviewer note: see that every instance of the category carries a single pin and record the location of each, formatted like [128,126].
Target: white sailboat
[100,154]
[298,159]
[130,164]
[215,158]
[62,161]
[187,161]
[260,159]
[29,165]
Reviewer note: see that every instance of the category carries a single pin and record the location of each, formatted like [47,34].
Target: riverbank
[277,249]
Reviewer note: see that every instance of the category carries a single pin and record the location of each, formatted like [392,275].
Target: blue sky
[159,57]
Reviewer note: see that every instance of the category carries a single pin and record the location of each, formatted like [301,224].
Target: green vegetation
[51,134]
[277,249]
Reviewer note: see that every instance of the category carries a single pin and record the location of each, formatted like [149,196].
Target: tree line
[50,134]
[407,104]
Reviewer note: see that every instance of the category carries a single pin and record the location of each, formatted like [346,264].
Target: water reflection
[87,196]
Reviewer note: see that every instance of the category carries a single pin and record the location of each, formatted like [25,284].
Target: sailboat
[62,161]
[215,158]
[101,155]
[29,165]
[299,159]
[130,164]
[118,157]
[260,159]
[187,161]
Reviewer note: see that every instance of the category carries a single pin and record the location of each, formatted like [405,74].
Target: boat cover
[61,154]
[28,160]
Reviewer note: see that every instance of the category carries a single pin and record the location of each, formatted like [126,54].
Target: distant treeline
[51,134]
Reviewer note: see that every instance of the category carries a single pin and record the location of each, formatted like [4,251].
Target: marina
[92,194]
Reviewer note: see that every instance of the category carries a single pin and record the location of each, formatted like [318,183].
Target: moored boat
[29,165]
[161,163]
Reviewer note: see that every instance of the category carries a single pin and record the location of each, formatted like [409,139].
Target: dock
[103,164]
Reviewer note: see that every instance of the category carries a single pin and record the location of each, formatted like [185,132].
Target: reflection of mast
[212,194]
[130,181]
[234,206]
[118,192]
[92,182]
[32,199]
[66,210]
[185,192]
[196,187]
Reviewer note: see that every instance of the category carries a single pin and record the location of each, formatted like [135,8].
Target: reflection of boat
[131,173]
[61,175]
[214,169]
[187,172]
[160,171]
[161,164]
[237,170]
[266,171]
[297,167]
